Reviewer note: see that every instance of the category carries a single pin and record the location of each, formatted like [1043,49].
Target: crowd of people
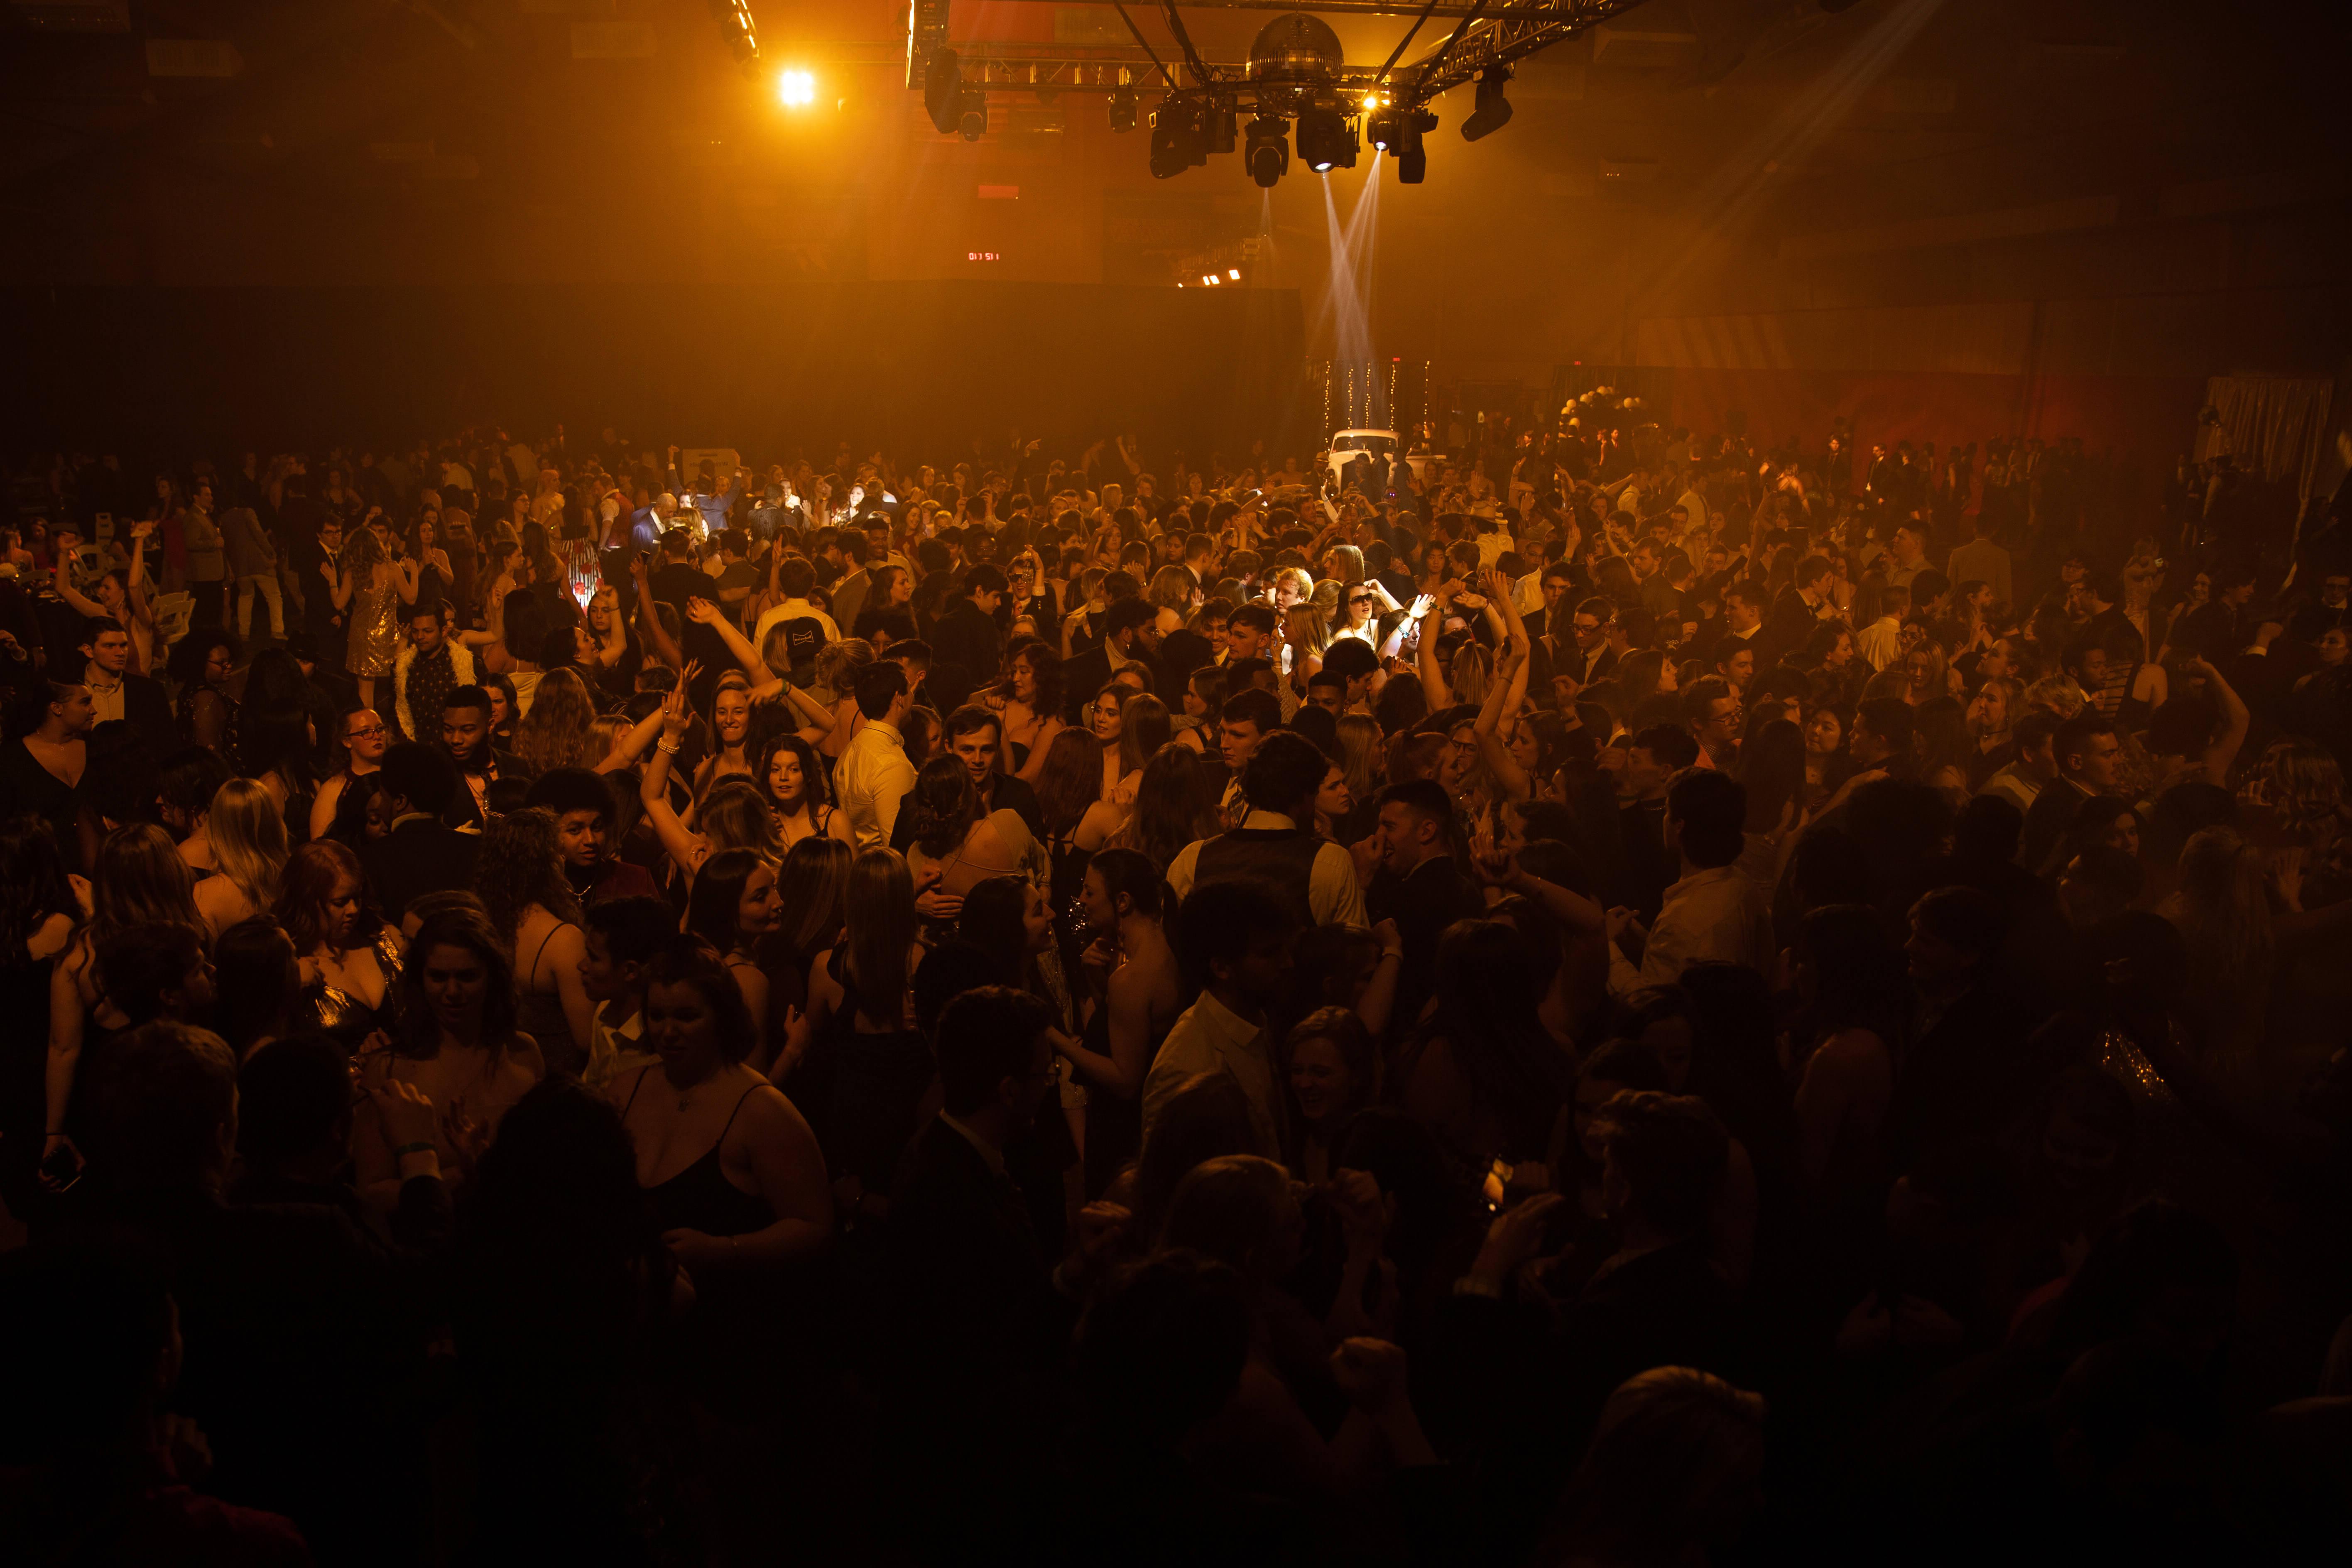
[1608,997]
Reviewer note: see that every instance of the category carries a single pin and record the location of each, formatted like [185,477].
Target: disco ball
[1296,50]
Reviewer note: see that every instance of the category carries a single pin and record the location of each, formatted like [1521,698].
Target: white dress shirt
[1211,1037]
[871,780]
[1713,915]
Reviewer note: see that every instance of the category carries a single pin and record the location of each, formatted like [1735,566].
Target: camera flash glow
[797,89]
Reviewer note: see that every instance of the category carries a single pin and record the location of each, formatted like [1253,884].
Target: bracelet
[667,747]
[407,1148]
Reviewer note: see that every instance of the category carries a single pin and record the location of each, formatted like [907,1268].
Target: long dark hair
[1047,665]
[711,910]
[33,885]
[520,863]
[693,964]
[257,978]
[304,887]
[419,1033]
[945,806]
[349,827]
[1486,1013]
[274,736]
[993,922]
[1070,781]
[1175,804]
[814,792]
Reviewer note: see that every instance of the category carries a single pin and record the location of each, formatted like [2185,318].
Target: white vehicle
[1381,444]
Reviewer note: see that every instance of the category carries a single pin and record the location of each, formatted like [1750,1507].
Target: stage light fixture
[1179,142]
[943,89]
[1235,273]
[1383,127]
[1326,141]
[796,88]
[1267,154]
[1122,109]
[1493,111]
[734,18]
[971,118]
[1224,127]
[1412,157]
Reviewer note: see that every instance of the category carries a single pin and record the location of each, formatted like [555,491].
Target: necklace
[685,1095]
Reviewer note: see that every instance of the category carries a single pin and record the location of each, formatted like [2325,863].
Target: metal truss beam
[1502,37]
[1497,34]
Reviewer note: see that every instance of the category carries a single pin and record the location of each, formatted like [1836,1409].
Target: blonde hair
[2057,694]
[560,729]
[249,833]
[1468,673]
[878,906]
[736,815]
[2301,784]
[1361,754]
[1309,624]
[1143,729]
[837,664]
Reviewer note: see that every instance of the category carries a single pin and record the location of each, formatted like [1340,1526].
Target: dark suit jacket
[1082,676]
[1962,1081]
[148,713]
[1180,654]
[1422,903]
[966,637]
[977,1291]
[2053,812]
[1571,660]
[418,857]
[1785,630]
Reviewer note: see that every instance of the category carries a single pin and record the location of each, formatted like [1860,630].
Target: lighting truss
[1498,34]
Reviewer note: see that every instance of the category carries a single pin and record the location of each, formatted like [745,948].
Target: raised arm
[1505,694]
[631,746]
[1432,680]
[2236,720]
[687,849]
[1417,616]
[650,630]
[704,612]
[77,602]
[65,1050]
[135,584]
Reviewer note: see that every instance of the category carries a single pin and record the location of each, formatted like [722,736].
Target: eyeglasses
[369,734]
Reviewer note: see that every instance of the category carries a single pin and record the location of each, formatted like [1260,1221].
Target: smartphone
[1498,1182]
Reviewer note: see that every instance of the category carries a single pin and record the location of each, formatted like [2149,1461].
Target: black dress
[23,1067]
[1114,1126]
[700,1197]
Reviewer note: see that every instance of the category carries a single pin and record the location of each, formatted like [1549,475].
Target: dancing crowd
[1591,996]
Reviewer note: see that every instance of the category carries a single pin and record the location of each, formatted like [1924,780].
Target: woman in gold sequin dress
[370,587]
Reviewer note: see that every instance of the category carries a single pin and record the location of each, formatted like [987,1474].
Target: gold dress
[375,629]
